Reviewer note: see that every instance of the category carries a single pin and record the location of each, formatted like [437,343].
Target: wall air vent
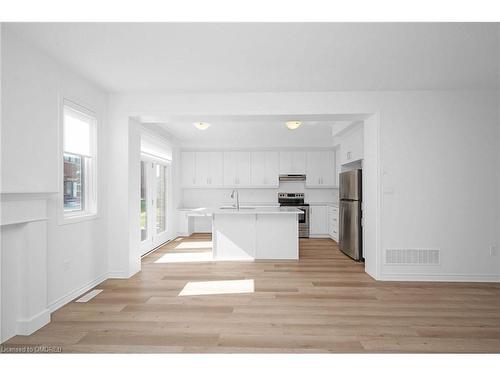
[412,256]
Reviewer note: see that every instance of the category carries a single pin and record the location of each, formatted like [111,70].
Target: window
[79,164]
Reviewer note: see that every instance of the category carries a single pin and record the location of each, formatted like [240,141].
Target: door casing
[153,238]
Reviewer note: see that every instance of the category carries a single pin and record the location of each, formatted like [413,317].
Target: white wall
[434,148]
[123,186]
[32,86]
[1,127]
[498,121]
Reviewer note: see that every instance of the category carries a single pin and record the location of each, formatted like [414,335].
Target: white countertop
[330,204]
[244,210]
[258,210]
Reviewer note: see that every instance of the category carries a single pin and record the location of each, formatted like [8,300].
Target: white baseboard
[121,274]
[60,302]
[118,275]
[26,327]
[319,236]
[464,278]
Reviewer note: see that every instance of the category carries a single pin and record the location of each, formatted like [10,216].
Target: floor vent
[412,256]
[87,297]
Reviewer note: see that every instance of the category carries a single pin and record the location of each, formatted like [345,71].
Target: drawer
[332,220]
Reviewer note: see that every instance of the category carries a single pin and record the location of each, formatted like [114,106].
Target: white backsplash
[216,197]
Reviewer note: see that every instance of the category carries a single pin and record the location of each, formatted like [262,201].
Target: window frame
[87,213]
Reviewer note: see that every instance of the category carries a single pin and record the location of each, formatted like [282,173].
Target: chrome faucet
[237,198]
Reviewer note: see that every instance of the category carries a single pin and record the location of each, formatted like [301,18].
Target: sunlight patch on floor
[185,257]
[195,245]
[198,288]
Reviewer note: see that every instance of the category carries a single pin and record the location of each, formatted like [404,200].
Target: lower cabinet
[333,223]
[318,220]
[324,221]
[184,223]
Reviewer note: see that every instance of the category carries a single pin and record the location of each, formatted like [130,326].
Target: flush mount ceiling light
[201,125]
[292,125]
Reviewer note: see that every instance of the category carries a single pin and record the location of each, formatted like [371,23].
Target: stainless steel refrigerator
[350,239]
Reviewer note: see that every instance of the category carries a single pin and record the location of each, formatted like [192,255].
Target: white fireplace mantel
[23,223]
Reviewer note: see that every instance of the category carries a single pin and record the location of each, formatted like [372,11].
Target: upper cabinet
[232,169]
[265,168]
[188,168]
[292,162]
[320,169]
[209,169]
[236,168]
[351,148]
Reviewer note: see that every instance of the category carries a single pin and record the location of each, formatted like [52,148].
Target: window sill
[78,218]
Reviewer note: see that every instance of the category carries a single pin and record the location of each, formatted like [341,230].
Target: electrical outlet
[492,251]
[66,265]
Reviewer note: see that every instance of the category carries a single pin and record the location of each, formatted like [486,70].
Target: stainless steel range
[297,200]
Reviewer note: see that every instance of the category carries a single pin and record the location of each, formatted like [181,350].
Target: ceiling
[258,57]
[248,131]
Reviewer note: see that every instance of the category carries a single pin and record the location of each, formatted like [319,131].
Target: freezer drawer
[350,229]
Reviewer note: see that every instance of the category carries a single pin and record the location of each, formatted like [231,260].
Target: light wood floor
[322,303]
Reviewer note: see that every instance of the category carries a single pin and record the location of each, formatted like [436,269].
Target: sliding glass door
[154,198]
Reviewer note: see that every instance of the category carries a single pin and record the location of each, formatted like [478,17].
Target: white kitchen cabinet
[185,223]
[188,169]
[265,168]
[236,168]
[318,220]
[352,145]
[338,165]
[333,222]
[209,169]
[320,169]
[292,162]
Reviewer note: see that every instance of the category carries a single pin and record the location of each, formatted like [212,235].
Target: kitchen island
[251,233]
